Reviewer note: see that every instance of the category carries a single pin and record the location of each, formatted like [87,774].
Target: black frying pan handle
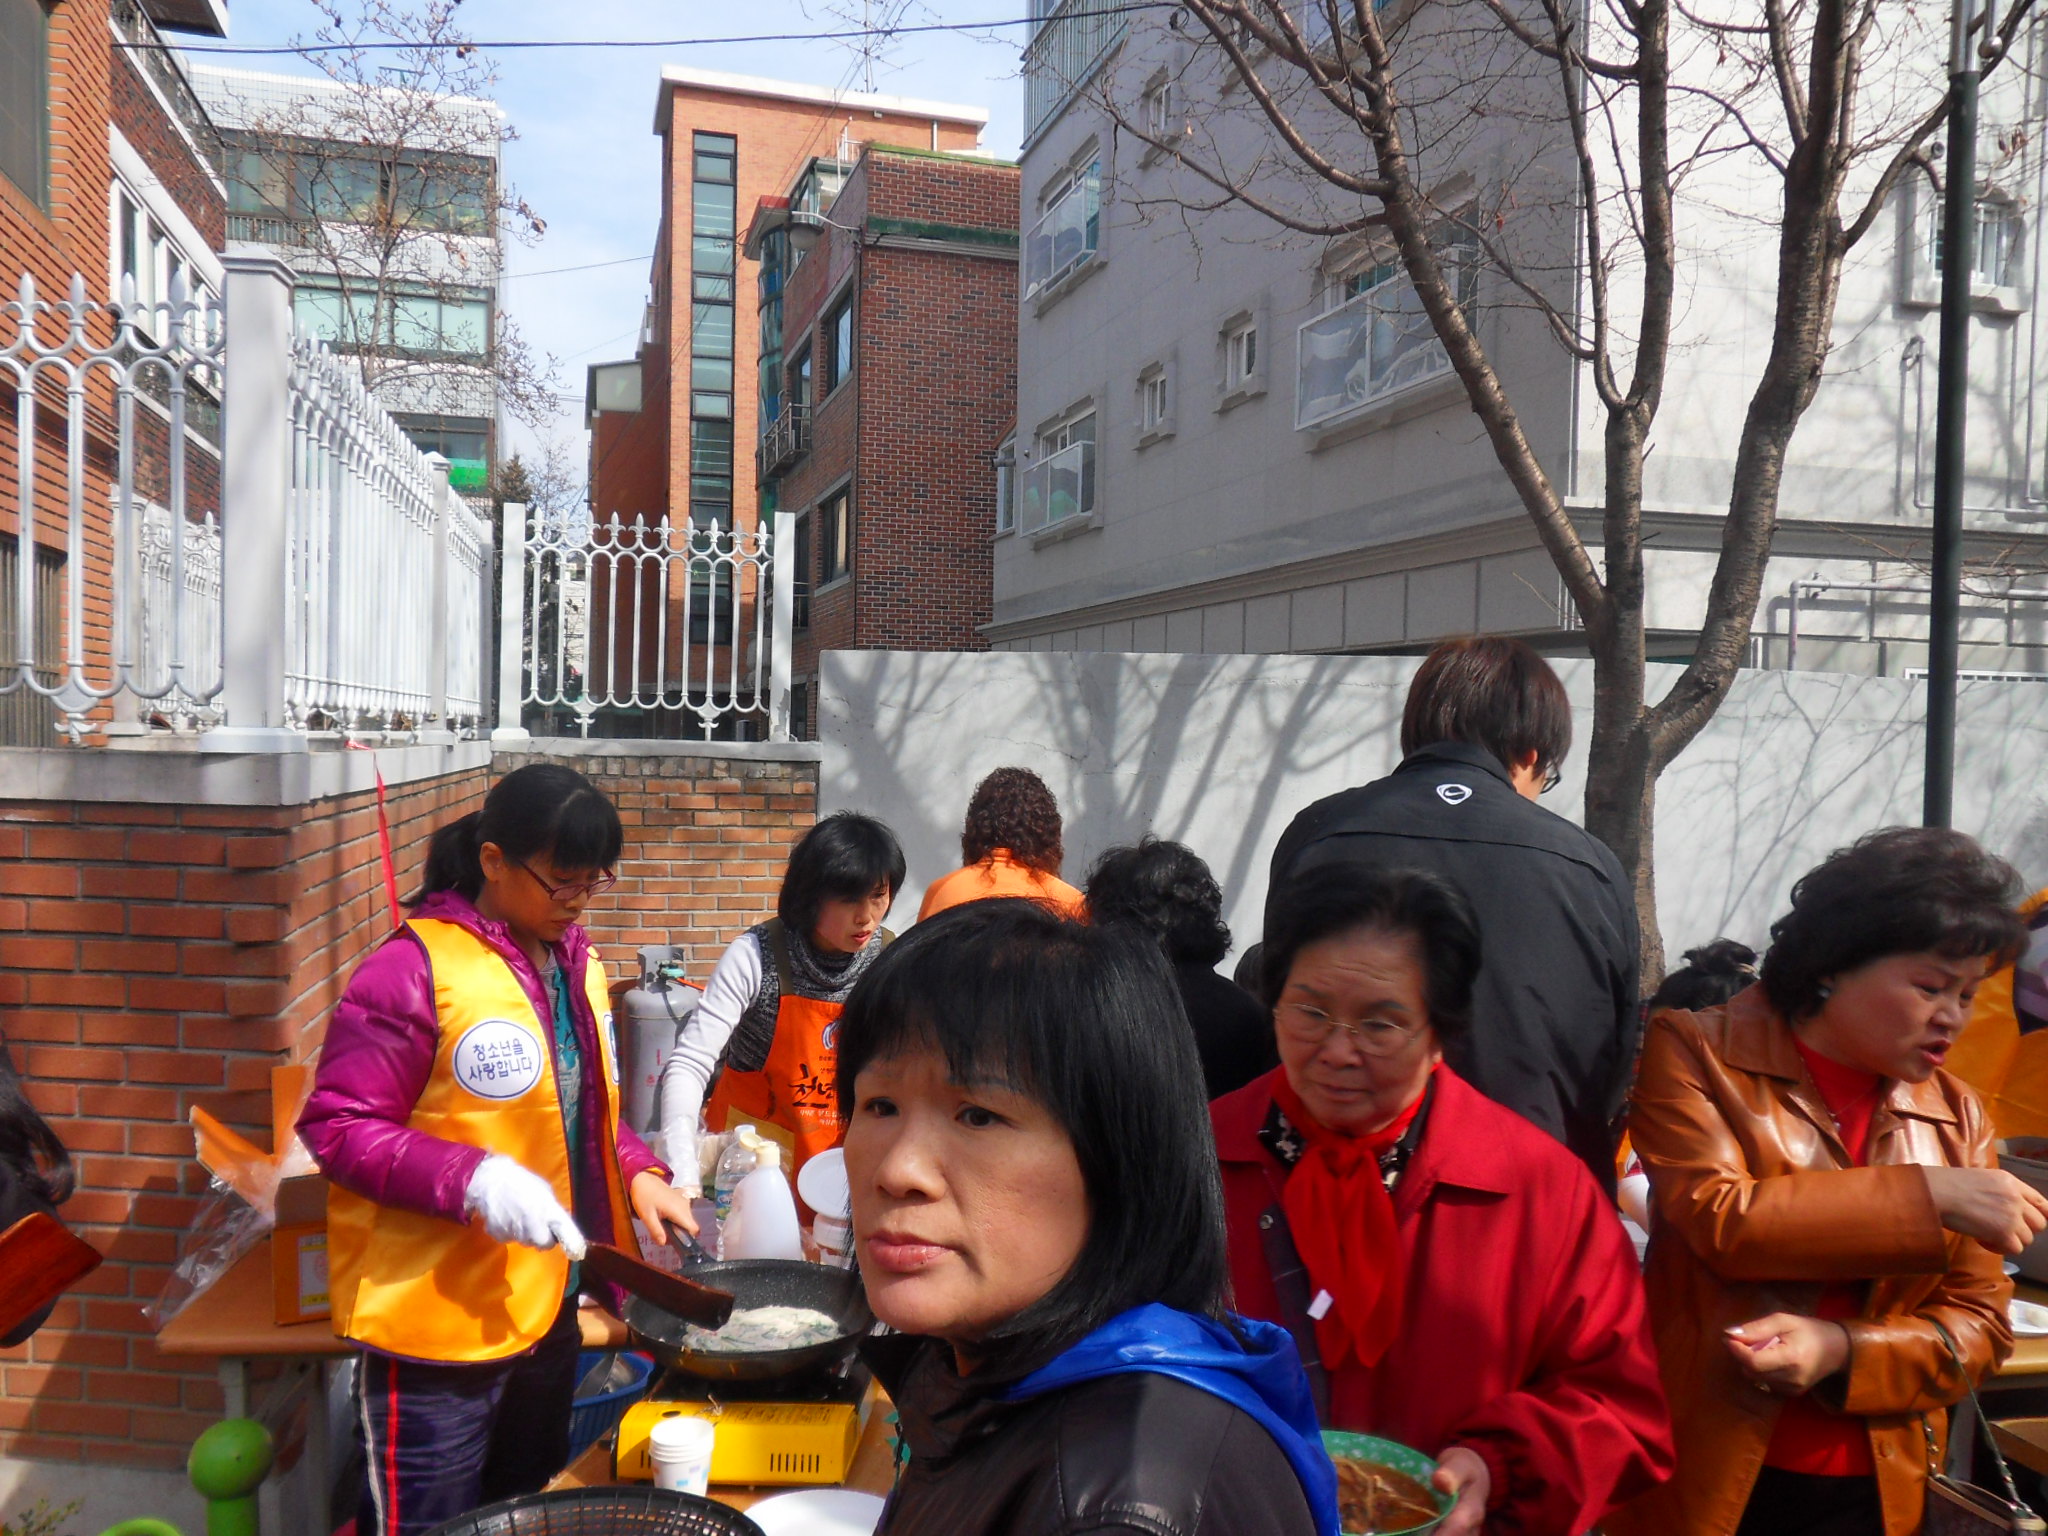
[692,1250]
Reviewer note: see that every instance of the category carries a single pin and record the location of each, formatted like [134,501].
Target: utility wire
[587,266]
[852,34]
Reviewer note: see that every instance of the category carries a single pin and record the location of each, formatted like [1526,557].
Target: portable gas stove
[797,1429]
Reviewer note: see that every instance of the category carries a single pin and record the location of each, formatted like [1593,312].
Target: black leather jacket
[1138,1452]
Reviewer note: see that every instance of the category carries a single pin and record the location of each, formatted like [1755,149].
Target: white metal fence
[681,631]
[305,569]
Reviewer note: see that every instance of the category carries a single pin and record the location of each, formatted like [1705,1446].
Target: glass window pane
[416,322]
[708,286]
[465,325]
[711,330]
[710,405]
[711,253]
[712,209]
[24,94]
[711,373]
[317,312]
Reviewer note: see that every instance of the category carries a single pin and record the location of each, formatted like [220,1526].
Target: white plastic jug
[763,1223]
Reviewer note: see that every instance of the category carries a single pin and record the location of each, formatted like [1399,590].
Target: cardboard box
[282,1181]
[298,1251]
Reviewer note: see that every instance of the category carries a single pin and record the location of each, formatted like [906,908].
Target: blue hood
[1262,1375]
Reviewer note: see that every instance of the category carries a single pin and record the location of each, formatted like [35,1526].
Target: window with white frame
[1154,410]
[147,262]
[1376,340]
[1158,109]
[1994,249]
[1060,483]
[1240,354]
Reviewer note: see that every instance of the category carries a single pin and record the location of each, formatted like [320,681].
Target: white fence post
[782,638]
[255,481]
[434,726]
[511,627]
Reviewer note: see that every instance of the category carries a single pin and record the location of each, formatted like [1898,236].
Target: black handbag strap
[2012,1491]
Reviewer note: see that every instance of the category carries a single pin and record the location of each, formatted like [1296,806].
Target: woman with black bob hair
[1036,1213]
[1164,890]
[1453,1276]
[1828,1215]
[769,1014]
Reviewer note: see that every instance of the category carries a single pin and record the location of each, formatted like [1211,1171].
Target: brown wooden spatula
[40,1259]
[693,1303]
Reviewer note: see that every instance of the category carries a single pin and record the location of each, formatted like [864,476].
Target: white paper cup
[679,1450]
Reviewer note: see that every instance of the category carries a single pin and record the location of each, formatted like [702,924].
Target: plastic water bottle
[738,1160]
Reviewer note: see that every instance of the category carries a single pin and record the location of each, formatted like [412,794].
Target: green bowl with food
[1383,1487]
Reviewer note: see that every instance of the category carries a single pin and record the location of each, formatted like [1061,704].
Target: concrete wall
[1221,751]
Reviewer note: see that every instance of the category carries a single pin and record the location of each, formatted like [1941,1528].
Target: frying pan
[760,1283]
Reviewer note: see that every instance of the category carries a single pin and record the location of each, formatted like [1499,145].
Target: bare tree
[1552,147]
[387,185]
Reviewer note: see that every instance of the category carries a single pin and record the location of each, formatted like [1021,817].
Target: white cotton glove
[519,1206]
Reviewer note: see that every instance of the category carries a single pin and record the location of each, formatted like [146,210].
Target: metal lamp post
[1952,399]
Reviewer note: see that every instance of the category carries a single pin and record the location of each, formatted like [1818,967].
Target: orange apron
[797,1087]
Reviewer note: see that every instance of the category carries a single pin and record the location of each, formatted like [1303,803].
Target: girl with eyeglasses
[466,1110]
[1454,1278]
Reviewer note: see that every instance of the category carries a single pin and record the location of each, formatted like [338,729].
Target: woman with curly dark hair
[1829,1216]
[1164,891]
[1010,846]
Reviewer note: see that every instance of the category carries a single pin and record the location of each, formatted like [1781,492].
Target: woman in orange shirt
[1010,846]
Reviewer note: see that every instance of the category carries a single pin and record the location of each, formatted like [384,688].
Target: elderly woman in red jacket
[1454,1278]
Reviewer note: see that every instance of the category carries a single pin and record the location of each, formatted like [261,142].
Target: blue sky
[586,157]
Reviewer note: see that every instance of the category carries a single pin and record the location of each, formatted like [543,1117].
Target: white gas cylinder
[656,1011]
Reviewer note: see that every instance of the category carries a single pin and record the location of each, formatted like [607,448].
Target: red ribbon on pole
[390,868]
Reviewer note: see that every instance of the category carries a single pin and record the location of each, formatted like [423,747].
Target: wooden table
[873,1470]
[231,1322]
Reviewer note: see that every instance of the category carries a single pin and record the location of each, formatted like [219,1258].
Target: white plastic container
[763,1222]
[822,1184]
[679,1451]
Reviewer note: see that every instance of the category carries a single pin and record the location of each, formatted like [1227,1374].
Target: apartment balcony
[1365,351]
[1058,487]
[135,23]
[787,440]
[1065,238]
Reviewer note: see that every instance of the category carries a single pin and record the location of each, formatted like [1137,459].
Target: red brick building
[727,142]
[898,384]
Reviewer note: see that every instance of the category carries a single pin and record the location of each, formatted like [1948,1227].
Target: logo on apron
[497,1059]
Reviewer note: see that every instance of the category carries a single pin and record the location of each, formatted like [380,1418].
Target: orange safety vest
[797,1087]
[431,1289]
[2009,1070]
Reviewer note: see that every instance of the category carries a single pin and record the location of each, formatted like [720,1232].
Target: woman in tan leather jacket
[1826,1202]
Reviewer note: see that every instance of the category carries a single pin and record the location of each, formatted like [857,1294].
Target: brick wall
[159,957]
[706,841]
[165,149]
[932,395]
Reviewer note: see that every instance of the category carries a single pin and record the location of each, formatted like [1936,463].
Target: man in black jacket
[1554,1026]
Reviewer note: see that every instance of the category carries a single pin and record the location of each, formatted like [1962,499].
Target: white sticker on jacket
[498,1059]
[1454,794]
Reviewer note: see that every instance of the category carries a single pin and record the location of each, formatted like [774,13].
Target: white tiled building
[440,288]
[1231,439]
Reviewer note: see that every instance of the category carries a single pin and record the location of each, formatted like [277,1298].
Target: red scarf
[1342,1220]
